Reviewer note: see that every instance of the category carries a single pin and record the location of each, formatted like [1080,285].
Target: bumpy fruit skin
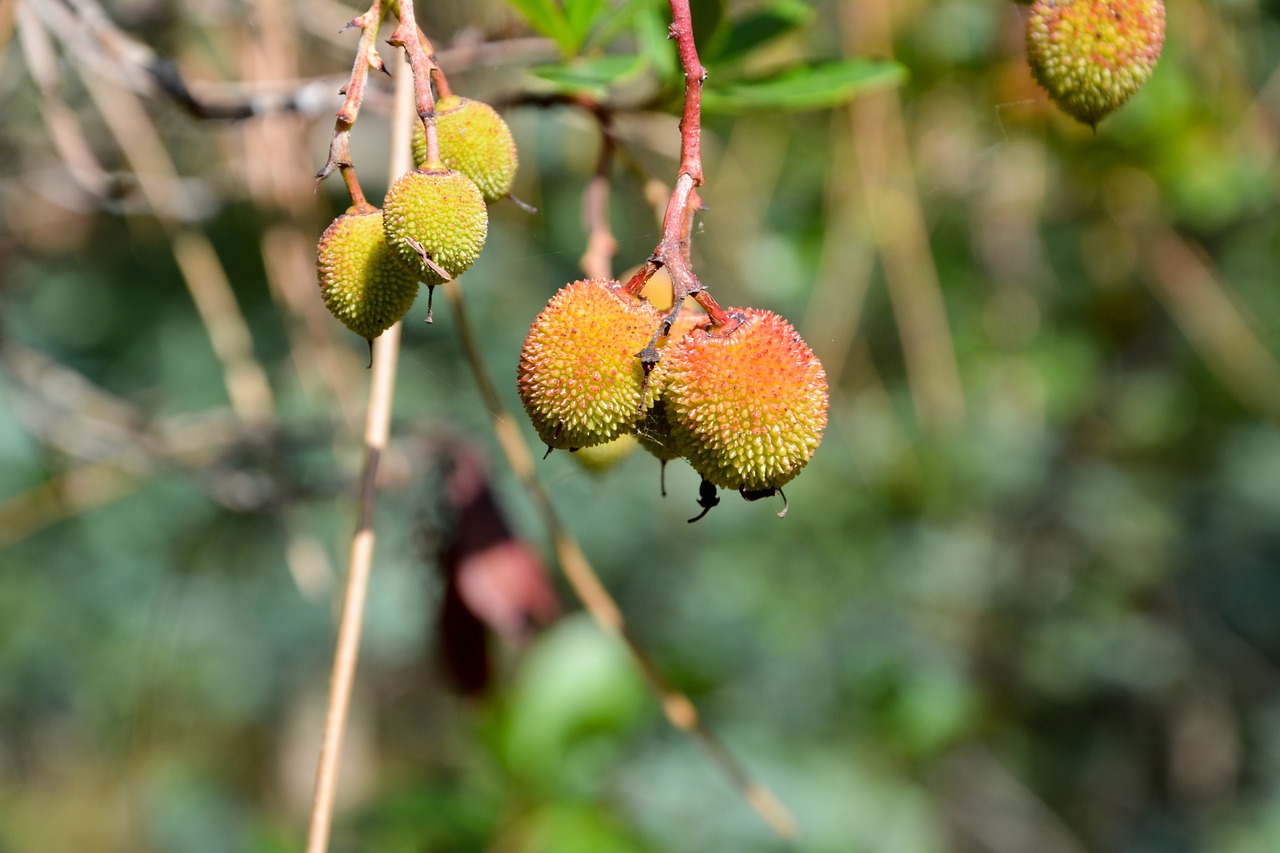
[364,283]
[1092,55]
[579,375]
[443,212]
[654,431]
[746,407]
[474,140]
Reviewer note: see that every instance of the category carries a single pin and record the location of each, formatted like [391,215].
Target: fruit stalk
[672,250]
[421,55]
[340,146]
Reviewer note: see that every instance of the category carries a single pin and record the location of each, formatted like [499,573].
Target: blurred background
[1027,594]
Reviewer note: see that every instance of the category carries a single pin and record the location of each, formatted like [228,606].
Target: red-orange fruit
[747,405]
[579,376]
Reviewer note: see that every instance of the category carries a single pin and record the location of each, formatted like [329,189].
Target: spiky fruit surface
[444,213]
[579,377]
[746,407]
[1092,55]
[364,283]
[474,140]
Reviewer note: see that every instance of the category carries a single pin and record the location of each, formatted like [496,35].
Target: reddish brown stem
[443,89]
[358,201]
[672,250]
[694,73]
[366,58]
[420,52]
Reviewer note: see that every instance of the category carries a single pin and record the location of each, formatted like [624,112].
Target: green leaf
[581,14]
[651,39]
[743,35]
[592,76]
[619,19]
[707,16]
[548,18]
[813,88]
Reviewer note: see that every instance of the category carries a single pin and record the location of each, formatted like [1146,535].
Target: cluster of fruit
[1092,55]
[744,403]
[432,224]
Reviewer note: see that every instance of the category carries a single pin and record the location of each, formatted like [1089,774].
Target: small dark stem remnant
[523,205]
[708,499]
[761,494]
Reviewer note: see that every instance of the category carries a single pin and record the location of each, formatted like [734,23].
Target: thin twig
[340,146]
[1183,279]
[672,251]
[678,708]
[421,55]
[896,222]
[597,260]
[87,31]
[386,350]
[243,375]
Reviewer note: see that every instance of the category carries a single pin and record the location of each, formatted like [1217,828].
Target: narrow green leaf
[707,17]
[592,76]
[812,88]
[548,18]
[742,35]
[651,39]
[619,19]
[581,15]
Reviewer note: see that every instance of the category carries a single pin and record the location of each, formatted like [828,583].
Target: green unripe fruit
[602,457]
[747,405]
[364,283]
[439,213]
[579,376]
[474,140]
[1092,55]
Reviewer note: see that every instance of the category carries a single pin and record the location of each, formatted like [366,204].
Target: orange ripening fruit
[746,405]
[580,377]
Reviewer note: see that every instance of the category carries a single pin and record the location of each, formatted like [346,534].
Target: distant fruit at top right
[1092,55]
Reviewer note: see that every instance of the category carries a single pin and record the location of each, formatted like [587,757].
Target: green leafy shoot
[809,88]
[593,76]
[735,39]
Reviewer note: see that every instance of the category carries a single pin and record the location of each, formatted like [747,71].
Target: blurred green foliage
[1048,625]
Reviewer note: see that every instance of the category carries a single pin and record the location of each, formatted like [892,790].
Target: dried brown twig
[386,350]
[244,377]
[86,30]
